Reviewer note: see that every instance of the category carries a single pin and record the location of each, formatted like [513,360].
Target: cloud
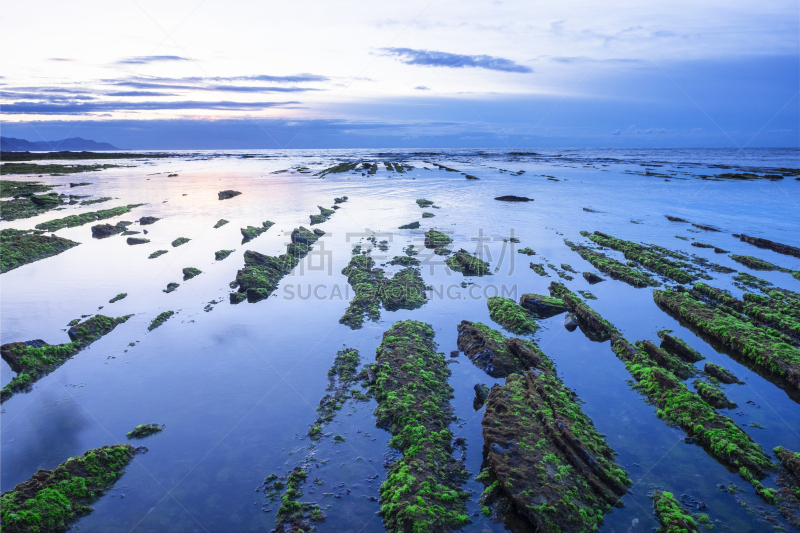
[43,108]
[618,132]
[139,93]
[141,60]
[222,88]
[421,88]
[47,97]
[432,58]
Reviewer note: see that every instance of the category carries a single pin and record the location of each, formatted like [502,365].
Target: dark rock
[144,221]
[512,198]
[481,393]
[106,230]
[675,219]
[224,195]
[592,278]
[454,353]
[543,306]
[137,240]
[570,322]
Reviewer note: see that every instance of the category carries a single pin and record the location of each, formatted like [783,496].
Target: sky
[208,74]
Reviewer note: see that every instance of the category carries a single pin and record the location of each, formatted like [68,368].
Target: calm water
[237,386]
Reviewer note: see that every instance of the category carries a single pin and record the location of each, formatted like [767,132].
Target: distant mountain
[11,144]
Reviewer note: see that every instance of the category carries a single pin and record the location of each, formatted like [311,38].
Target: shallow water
[237,386]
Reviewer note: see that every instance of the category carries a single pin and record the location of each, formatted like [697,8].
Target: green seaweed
[160,319]
[144,430]
[179,241]
[613,268]
[21,247]
[157,253]
[251,232]
[671,515]
[53,500]
[219,255]
[85,218]
[468,264]
[221,222]
[423,489]
[511,316]
[404,290]
[118,297]
[9,188]
[190,272]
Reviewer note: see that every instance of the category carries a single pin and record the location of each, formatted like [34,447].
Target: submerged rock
[512,198]
[571,322]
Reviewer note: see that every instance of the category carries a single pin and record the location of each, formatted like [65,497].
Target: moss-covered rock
[722,374]
[770,245]
[14,188]
[179,241]
[678,346]
[410,225]
[713,396]
[32,360]
[543,306]
[671,515]
[404,290]
[544,456]
[423,489]
[219,255]
[85,218]
[160,319]
[190,272]
[221,222]
[492,352]
[251,232]
[157,253]
[436,240]
[511,316]
[539,269]
[20,247]
[468,264]
[145,430]
[118,297]
[777,359]
[53,500]
[28,207]
[613,268]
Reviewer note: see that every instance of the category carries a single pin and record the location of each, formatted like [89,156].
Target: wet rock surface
[492,352]
[226,195]
[18,247]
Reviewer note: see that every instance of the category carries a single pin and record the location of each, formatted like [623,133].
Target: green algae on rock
[492,352]
[53,500]
[21,247]
[770,245]
[613,268]
[341,377]
[338,169]
[171,286]
[721,374]
[654,258]
[468,264]
[526,251]
[179,241]
[133,241]
[295,516]
[679,347]
[410,225]
[118,297]
[250,232]
[437,241]
[261,274]
[713,396]
[755,263]
[160,319]
[221,222]
[49,168]
[511,316]
[144,430]
[774,357]
[190,272]
[664,360]
[423,489]
[718,434]
[789,485]
[426,214]
[539,269]
[157,253]
[543,306]
[544,455]
[219,255]
[671,515]
[9,188]
[34,359]
[85,218]
[29,207]
[404,290]
[423,203]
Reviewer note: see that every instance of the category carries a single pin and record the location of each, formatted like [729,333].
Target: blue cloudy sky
[196,74]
